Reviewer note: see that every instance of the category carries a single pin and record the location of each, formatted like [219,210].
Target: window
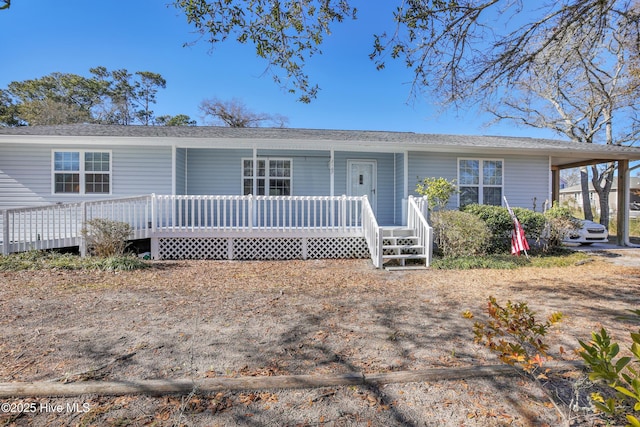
[273,177]
[81,172]
[480,181]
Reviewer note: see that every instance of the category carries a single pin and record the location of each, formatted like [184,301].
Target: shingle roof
[403,139]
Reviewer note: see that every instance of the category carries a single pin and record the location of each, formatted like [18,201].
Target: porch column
[555,185]
[623,203]
[174,174]
[255,171]
[332,186]
[331,172]
[405,191]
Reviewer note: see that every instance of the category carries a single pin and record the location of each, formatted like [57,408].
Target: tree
[57,98]
[285,33]
[112,97]
[146,89]
[127,97]
[177,120]
[234,113]
[9,115]
[6,5]
[576,90]
[465,50]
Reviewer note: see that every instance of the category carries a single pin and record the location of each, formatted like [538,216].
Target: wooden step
[404,256]
[397,232]
[405,267]
[402,247]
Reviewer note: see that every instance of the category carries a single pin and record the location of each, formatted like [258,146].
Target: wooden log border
[206,385]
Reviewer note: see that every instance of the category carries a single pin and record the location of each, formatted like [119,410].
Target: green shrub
[106,238]
[41,260]
[500,224]
[437,190]
[621,374]
[120,263]
[459,234]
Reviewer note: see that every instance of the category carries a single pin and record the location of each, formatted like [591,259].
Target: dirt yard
[230,319]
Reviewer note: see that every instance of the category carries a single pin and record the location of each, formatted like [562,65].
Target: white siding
[25,173]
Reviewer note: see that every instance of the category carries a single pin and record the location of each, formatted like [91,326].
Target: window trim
[267,177]
[82,172]
[481,184]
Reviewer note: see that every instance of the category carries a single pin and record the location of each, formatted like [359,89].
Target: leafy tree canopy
[109,97]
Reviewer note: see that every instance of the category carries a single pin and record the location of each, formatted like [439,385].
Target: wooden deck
[216,226]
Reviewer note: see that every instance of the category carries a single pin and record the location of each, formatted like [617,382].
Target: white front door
[362,180]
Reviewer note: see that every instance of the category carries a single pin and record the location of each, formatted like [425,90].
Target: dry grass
[196,319]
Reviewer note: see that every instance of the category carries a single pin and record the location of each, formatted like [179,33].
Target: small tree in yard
[621,374]
[516,336]
[106,238]
[437,190]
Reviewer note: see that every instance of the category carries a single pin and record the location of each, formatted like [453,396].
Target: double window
[480,181]
[273,177]
[81,172]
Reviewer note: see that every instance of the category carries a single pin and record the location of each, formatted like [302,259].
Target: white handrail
[372,233]
[416,220]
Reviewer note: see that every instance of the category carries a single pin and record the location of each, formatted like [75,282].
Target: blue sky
[41,37]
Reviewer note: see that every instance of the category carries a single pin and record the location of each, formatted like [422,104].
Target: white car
[588,233]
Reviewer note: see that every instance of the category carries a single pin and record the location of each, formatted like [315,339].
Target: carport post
[622,233]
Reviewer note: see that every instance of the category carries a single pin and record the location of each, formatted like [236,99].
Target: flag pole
[518,239]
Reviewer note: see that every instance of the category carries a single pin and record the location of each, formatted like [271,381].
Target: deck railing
[417,220]
[251,214]
[60,225]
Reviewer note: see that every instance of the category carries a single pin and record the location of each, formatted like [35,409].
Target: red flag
[518,239]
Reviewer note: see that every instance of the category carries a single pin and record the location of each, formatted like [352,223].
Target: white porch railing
[258,215]
[60,225]
[56,226]
[372,233]
[417,220]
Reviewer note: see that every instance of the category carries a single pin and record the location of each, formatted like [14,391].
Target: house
[572,196]
[208,191]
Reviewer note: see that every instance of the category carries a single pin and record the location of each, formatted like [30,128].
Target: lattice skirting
[261,248]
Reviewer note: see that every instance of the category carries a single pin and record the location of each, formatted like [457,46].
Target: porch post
[623,203]
[255,172]
[83,240]
[332,187]
[555,185]
[405,194]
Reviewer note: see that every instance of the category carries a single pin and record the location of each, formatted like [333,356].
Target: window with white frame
[82,172]
[273,177]
[480,181]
